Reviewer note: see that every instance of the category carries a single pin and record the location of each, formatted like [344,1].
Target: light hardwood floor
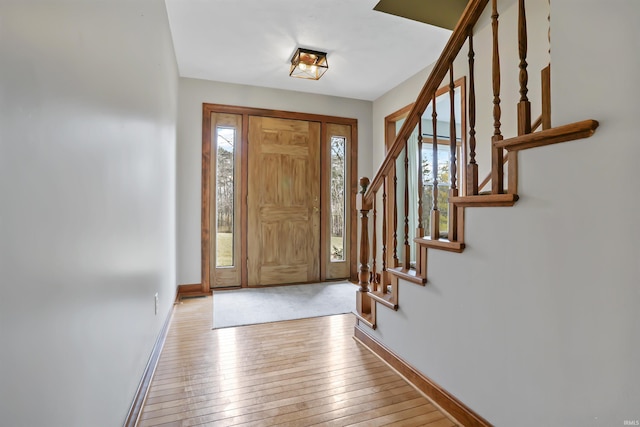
[293,373]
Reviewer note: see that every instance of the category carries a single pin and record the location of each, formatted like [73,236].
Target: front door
[283,201]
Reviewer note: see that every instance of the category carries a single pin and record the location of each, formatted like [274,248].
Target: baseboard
[193,290]
[187,289]
[458,410]
[147,376]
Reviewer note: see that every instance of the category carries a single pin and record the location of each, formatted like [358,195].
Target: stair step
[367,319]
[570,132]
[408,275]
[442,244]
[385,298]
[485,200]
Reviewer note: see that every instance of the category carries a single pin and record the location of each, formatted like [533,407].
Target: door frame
[206,193]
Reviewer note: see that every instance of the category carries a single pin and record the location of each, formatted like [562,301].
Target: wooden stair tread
[367,319]
[385,298]
[570,132]
[442,244]
[408,275]
[485,200]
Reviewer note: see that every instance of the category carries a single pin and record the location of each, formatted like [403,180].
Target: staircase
[378,244]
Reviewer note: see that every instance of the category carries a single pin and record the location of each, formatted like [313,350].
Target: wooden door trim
[205,235]
[324,215]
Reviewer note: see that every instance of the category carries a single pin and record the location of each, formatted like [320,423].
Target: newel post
[364,207]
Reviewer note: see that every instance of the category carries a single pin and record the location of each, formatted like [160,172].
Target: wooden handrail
[467,21]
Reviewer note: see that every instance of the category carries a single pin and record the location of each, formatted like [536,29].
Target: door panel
[283,201]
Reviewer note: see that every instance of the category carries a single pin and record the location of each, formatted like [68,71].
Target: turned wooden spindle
[472,167]
[363,276]
[546,83]
[420,228]
[383,276]
[497,155]
[453,147]
[524,106]
[395,218]
[452,132]
[374,244]
[549,29]
[406,259]
[435,213]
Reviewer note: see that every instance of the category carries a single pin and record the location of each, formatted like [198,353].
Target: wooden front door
[283,201]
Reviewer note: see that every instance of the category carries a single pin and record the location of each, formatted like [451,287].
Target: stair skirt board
[440,397]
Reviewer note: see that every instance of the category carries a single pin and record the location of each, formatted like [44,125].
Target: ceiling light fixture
[308,64]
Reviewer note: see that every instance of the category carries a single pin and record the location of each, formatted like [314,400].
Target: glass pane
[225,195]
[338,185]
[444,182]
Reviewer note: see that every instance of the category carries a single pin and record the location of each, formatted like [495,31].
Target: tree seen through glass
[338,185]
[444,185]
[225,195]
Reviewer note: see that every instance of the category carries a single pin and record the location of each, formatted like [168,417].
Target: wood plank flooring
[293,373]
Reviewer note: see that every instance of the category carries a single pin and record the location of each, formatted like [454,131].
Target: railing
[382,193]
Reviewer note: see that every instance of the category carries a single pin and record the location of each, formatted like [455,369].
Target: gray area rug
[273,304]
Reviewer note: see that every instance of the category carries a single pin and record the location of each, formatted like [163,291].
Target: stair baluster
[384,279]
[406,259]
[421,252]
[472,167]
[546,83]
[395,218]
[497,154]
[374,244]
[524,106]
[420,228]
[435,213]
[453,147]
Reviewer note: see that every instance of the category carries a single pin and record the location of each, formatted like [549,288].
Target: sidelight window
[225,195]
[338,202]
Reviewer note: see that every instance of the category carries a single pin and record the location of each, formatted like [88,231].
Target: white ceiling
[252,41]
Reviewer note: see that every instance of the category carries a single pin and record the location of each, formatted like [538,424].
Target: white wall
[193,93]
[88,97]
[536,323]
[392,101]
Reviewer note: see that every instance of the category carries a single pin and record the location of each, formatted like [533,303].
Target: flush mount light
[308,64]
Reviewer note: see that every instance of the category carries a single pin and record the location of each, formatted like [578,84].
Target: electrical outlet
[156,305]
